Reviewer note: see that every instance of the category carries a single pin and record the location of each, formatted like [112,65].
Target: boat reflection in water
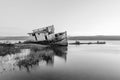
[41,55]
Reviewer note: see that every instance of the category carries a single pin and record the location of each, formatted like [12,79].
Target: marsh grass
[9,48]
[30,46]
[36,55]
[6,49]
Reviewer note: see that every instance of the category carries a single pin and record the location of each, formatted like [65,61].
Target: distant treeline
[14,38]
[69,38]
[94,37]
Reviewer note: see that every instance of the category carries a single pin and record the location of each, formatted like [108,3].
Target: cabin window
[60,33]
[46,37]
[38,33]
[56,35]
[33,34]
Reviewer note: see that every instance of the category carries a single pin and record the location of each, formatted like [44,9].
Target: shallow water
[75,62]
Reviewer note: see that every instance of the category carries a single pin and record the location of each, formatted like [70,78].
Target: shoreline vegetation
[79,43]
[14,48]
[6,49]
[99,37]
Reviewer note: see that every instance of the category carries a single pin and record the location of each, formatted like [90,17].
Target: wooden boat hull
[51,43]
[60,39]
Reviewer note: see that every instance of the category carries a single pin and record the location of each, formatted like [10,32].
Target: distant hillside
[14,38]
[94,37]
[69,38]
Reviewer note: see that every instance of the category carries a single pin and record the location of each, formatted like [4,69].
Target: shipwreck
[47,36]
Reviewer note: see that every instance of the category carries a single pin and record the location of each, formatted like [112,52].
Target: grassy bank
[7,49]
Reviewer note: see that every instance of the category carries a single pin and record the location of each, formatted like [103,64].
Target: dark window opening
[46,37]
[61,33]
[56,35]
[33,34]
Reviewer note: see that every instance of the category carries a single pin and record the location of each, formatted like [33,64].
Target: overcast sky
[77,17]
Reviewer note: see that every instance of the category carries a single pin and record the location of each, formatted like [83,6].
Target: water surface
[75,62]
